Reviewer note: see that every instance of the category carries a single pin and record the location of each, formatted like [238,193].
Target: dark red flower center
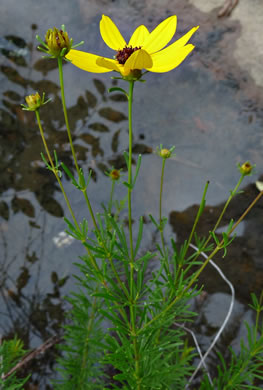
[58,38]
[125,53]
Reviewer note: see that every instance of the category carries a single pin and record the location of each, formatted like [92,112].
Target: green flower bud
[246,168]
[34,102]
[57,41]
[165,153]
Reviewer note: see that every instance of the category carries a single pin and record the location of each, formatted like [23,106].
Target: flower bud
[34,101]
[246,168]
[165,153]
[57,41]
[114,174]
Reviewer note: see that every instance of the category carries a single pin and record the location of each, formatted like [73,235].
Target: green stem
[70,139]
[258,313]
[111,196]
[55,170]
[218,247]
[71,143]
[132,301]
[198,215]
[65,112]
[160,205]
[232,194]
[92,258]
[130,99]
[87,339]
[91,211]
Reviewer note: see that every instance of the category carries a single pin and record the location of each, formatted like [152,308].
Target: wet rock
[216,307]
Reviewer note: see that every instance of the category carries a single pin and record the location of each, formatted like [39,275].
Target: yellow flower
[144,50]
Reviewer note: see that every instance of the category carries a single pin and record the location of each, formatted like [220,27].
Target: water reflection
[243,263]
[26,311]
[90,116]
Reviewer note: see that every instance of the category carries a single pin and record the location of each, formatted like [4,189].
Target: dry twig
[227,8]
[33,354]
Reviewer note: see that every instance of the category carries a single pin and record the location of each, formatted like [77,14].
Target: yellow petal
[169,58]
[111,34]
[185,38]
[139,36]
[161,35]
[86,61]
[140,59]
[108,63]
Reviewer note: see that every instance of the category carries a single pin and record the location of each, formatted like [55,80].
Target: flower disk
[124,54]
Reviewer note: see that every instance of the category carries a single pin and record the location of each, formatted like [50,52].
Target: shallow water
[208,108]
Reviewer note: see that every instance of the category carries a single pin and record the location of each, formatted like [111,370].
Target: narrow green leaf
[117,89]
[137,169]
[130,186]
[139,238]
[126,157]
[154,221]
[69,174]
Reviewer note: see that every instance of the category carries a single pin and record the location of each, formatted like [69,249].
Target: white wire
[202,361]
[198,349]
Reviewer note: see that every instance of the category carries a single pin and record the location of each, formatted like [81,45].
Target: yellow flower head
[144,50]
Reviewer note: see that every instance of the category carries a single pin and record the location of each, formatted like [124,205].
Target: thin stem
[232,194]
[87,339]
[91,211]
[55,170]
[60,68]
[65,112]
[92,258]
[161,224]
[160,204]
[132,301]
[130,99]
[198,215]
[259,308]
[111,196]
[77,166]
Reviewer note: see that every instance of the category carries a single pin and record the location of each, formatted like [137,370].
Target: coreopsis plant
[127,322]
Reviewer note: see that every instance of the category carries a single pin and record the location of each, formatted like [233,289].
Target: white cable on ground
[202,361]
[198,350]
